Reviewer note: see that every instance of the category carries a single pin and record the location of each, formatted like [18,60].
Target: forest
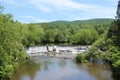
[65,32]
[15,37]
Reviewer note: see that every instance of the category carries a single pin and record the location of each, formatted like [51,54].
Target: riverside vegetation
[106,48]
[15,37]
[12,52]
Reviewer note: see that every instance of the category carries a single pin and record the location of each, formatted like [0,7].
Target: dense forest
[66,32]
[15,37]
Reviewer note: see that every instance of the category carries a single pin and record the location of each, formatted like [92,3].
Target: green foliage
[107,48]
[84,37]
[116,64]
[74,32]
[11,49]
[114,33]
[116,69]
[49,36]
[33,35]
[63,36]
[81,58]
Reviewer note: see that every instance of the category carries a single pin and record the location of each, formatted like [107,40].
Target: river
[39,68]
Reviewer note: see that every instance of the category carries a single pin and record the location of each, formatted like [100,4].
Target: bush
[81,58]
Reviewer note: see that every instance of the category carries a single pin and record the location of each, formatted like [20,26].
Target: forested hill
[90,21]
[79,32]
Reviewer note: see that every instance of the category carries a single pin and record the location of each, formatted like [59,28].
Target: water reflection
[28,68]
[61,69]
[100,72]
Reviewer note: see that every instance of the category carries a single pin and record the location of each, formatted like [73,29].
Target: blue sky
[28,11]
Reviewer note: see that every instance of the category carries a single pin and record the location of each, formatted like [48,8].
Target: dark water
[61,69]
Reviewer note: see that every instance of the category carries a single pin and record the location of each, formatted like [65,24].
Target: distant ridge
[97,20]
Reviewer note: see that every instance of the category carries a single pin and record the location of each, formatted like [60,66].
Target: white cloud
[39,5]
[97,12]
[49,5]
[53,5]
[13,2]
[100,13]
[65,8]
[40,20]
[44,8]
[67,4]
[33,19]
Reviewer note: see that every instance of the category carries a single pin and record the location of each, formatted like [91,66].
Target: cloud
[33,19]
[96,12]
[49,5]
[69,5]
[40,5]
[43,8]
[12,2]
[62,9]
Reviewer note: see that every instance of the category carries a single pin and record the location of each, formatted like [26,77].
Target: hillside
[91,21]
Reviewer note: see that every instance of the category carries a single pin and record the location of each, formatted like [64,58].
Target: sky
[34,11]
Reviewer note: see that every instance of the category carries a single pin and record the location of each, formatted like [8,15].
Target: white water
[61,51]
[73,49]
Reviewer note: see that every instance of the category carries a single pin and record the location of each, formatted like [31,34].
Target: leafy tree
[84,37]
[11,49]
[49,36]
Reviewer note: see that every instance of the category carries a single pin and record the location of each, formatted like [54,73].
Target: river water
[61,69]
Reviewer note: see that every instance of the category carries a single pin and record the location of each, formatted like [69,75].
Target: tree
[114,33]
[84,37]
[11,49]
[49,36]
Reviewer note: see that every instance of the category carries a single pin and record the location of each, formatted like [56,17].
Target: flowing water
[61,69]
